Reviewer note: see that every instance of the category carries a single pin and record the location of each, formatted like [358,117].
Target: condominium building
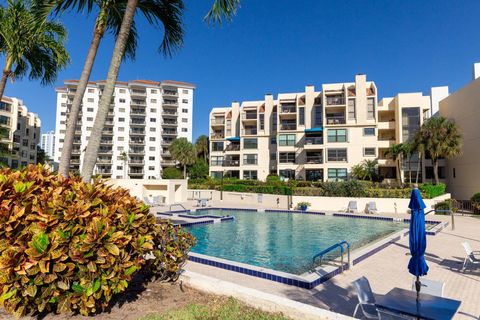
[315,135]
[20,133]
[143,120]
[47,143]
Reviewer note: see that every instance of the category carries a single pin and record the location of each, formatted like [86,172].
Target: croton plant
[69,246]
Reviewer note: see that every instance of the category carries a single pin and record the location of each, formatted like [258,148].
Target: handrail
[341,245]
[177,204]
[445,211]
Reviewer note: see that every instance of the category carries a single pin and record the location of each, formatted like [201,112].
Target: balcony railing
[105,151]
[250,161]
[288,126]
[232,147]
[136,151]
[386,138]
[137,112]
[231,163]
[105,132]
[169,113]
[170,93]
[134,92]
[169,132]
[249,131]
[217,136]
[314,159]
[335,120]
[106,141]
[169,123]
[137,123]
[218,163]
[135,172]
[249,116]
[313,140]
[292,109]
[333,101]
[104,161]
[218,121]
[136,162]
[137,132]
[137,141]
[166,142]
[171,103]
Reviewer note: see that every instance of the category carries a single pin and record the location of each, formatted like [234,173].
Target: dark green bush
[432,190]
[476,197]
[198,170]
[444,205]
[68,246]
[172,173]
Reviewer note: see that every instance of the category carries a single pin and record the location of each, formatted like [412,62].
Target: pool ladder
[343,246]
[177,204]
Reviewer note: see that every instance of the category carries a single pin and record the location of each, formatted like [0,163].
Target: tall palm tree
[395,152]
[220,8]
[184,152]
[110,14]
[202,145]
[407,153]
[124,158]
[30,43]
[370,168]
[439,138]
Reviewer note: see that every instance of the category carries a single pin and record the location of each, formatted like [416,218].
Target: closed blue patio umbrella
[418,238]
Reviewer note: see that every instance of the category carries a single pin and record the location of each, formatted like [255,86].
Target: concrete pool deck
[385,270]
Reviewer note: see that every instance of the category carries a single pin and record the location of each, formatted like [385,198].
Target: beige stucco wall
[463,106]
[173,191]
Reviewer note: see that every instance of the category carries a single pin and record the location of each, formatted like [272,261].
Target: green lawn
[229,309]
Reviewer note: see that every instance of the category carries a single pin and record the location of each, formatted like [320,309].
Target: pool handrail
[177,204]
[341,245]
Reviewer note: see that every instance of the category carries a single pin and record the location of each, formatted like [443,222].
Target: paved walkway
[385,270]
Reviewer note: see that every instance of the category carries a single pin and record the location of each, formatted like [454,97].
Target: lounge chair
[472,257]
[371,207]
[431,287]
[352,206]
[366,299]
[147,201]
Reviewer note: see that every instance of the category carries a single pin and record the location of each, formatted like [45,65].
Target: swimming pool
[283,241]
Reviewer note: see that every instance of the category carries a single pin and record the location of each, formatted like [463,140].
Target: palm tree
[220,8]
[124,158]
[407,153]
[109,18]
[184,152]
[395,152]
[202,145]
[31,43]
[439,137]
[370,168]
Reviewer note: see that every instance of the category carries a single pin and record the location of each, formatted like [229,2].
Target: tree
[395,152]
[124,158]
[408,149]
[30,43]
[203,146]
[365,170]
[42,157]
[220,8]
[184,152]
[171,173]
[110,13]
[439,137]
[198,170]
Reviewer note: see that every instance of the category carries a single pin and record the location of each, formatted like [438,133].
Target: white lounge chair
[371,207]
[352,206]
[431,287]
[366,299]
[472,257]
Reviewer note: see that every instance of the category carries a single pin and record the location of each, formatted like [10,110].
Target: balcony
[167,113]
[106,141]
[170,103]
[335,101]
[288,126]
[231,163]
[217,136]
[288,109]
[136,162]
[386,125]
[218,122]
[166,123]
[216,163]
[251,131]
[106,132]
[252,116]
[170,93]
[136,102]
[166,154]
[134,122]
[253,161]
[76,141]
[75,161]
[138,112]
[168,163]
[136,132]
[109,123]
[136,151]
[169,132]
[104,161]
[331,120]
[138,93]
[167,142]
[135,172]
[137,141]
[104,151]
[313,141]
[232,147]
[314,159]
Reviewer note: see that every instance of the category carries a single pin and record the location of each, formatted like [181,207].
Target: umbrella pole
[417,287]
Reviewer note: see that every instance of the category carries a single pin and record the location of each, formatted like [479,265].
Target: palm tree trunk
[184,171]
[435,170]
[399,171]
[64,166]
[409,169]
[5,74]
[419,165]
[91,153]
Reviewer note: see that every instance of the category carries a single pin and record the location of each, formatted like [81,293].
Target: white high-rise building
[47,143]
[144,118]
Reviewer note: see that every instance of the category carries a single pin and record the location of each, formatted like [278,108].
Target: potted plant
[303,205]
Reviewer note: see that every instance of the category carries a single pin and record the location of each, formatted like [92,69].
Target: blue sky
[277,46]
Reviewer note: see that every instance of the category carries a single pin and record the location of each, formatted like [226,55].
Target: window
[351,108]
[122,91]
[430,175]
[89,128]
[250,175]
[153,100]
[89,109]
[286,140]
[274,121]
[286,157]
[184,130]
[119,168]
[410,122]
[217,146]
[216,161]
[369,152]
[64,113]
[337,135]
[64,95]
[185,91]
[273,140]
[314,175]
[91,90]
[250,159]
[301,117]
[151,158]
[89,118]
[368,131]
[184,100]
[152,139]
[287,174]
[370,108]
[90,100]
[153,120]
[337,155]
[121,100]
[151,148]
[121,119]
[121,129]
[62,122]
[262,121]
[121,139]
[184,120]
[336,174]
[121,109]
[250,143]
[151,168]
[318,116]
[153,110]
[25,142]
[153,129]
[273,157]
[184,110]
[154,91]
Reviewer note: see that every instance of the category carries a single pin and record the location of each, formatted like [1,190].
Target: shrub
[68,246]
[476,197]
[172,173]
[198,170]
[303,203]
[444,205]
[432,190]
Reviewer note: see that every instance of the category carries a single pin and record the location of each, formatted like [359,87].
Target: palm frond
[222,9]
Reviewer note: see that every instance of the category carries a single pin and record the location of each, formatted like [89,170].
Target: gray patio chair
[157,200]
[372,207]
[352,206]
[147,201]
[431,287]
[366,299]
[472,257]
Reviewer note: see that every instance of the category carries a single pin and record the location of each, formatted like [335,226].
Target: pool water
[283,241]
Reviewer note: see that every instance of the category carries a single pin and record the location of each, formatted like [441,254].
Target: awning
[314,130]
[233,139]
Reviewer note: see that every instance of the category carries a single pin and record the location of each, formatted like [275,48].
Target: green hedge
[281,190]
[444,205]
[432,190]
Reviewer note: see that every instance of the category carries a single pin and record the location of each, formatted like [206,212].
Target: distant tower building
[47,143]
